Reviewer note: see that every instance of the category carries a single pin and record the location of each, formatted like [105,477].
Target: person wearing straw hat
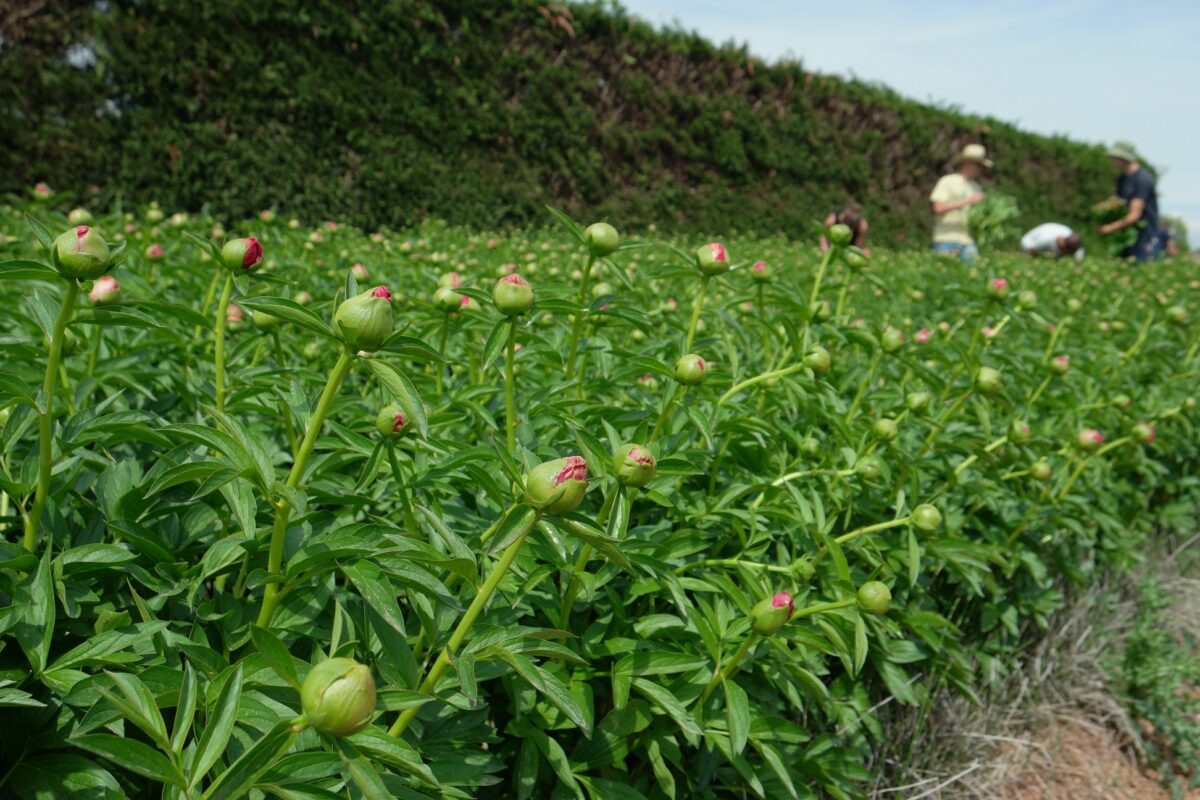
[951,200]
[1135,185]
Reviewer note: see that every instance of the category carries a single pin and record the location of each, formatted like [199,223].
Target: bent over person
[850,215]
[951,200]
[1052,239]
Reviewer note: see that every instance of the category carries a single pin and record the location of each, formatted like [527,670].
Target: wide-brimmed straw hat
[976,153]
[1124,151]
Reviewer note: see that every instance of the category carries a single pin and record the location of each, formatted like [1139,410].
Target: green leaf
[568,223]
[185,709]
[35,631]
[860,643]
[669,704]
[737,715]
[137,704]
[130,754]
[28,271]
[289,311]
[236,781]
[54,775]
[219,728]
[362,773]
[402,390]
[40,232]
[584,529]
[276,655]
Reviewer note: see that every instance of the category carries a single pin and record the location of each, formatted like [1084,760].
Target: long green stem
[282,507]
[697,307]
[730,667]
[585,555]
[862,386]
[94,355]
[510,391]
[46,418]
[766,376]
[577,323]
[441,368]
[942,420]
[219,336]
[816,290]
[878,526]
[662,418]
[410,519]
[1038,392]
[482,597]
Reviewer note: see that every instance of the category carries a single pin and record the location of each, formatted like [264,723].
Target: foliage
[616,657]
[993,221]
[478,113]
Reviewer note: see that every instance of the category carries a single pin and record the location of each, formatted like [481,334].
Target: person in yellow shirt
[951,200]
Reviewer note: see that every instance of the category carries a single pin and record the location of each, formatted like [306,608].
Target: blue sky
[1095,71]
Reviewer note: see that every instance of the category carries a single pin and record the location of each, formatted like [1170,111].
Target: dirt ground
[1076,759]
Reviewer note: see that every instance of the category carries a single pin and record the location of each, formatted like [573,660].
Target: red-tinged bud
[302,298]
[557,487]
[359,271]
[634,466]
[1122,401]
[1060,364]
[918,402]
[42,191]
[648,382]
[1144,432]
[266,215]
[155,251]
[451,279]
[922,336]
[926,517]
[840,234]
[817,359]
[392,422]
[760,271]
[448,300]
[892,339]
[601,239]
[513,295]
[241,255]
[885,429]
[235,318]
[1089,440]
[998,289]
[80,216]
[1018,431]
[1027,299]
[874,597]
[987,380]
[690,370]
[365,320]
[712,258]
[769,616]
[81,253]
[1041,470]
[338,697]
[1177,315]
[104,291]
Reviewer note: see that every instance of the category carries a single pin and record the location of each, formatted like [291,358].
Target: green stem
[878,526]
[410,519]
[730,667]
[585,554]
[841,301]
[577,322]
[862,386]
[942,420]
[482,597]
[46,418]
[441,368]
[766,376]
[94,355]
[816,290]
[282,507]
[697,307]
[219,336]
[510,390]
[662,418]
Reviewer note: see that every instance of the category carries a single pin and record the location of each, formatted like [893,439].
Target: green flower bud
[601,239]
[1027,299]
[769,616]
[1177,315]
[1018,431]
[810,446]
[854,258]
[154,214]
[868,467]
[874,597]
[365,320]
[840,234]
[557,487]
[987,380]
[1089,440]
[926,517]
[634,466]
[80,216]
[1041,470]
[392,422]
[451,279]
[264,321]
[1144,433]
[821,310]
[81,253]
[760,271]
[892,339]
[1060,364]
[690,369]
[712,258]
[817,359]
[885,429]
[1122,401]
[513,295]
[448,300]
[1074,305]
[338,697]
[241,255]
[917,402]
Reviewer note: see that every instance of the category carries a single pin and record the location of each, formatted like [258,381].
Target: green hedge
[479,113]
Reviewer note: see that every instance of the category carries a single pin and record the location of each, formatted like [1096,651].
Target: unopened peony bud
[513,295]
[712,258]
[821,310]
[760,271]
[868,467]
[634,466]
[926,517]
[235,318]
[359,271]
[302,298]
[365,320]
[241,255]
[1144,432]
[1177,315]
[1122,401]
[885,429]
[874,597]
[338,697]
[922,336]
[451,279]
[1074,305]
[264,321]
[1089,440]
[987,380]
[448,300]
[601,239]
[1027,299]
[1060,364]
[1018,431]
[998,289]
[917,402]
[392,422]
[840,234]
[854,258]
[690,369]
[892,339]
[104,291]
[817,359]
[1041,470]
[557,487]
[81,253]
[810,446]
[42,191]
[80,216]
[769,616]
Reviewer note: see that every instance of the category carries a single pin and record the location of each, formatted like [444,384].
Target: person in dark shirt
[852,217]
[1135,185]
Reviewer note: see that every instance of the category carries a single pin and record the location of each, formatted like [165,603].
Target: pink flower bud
[1089,439]
[241,254]
[154,251]
[998,288]
[359,271]
[771,613]
[382,291]
[1144,432]
[760,271]
[712,258]
[104,291]
[235,317]
[42,190]
[989,332]
[1060,364]
[923,336]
